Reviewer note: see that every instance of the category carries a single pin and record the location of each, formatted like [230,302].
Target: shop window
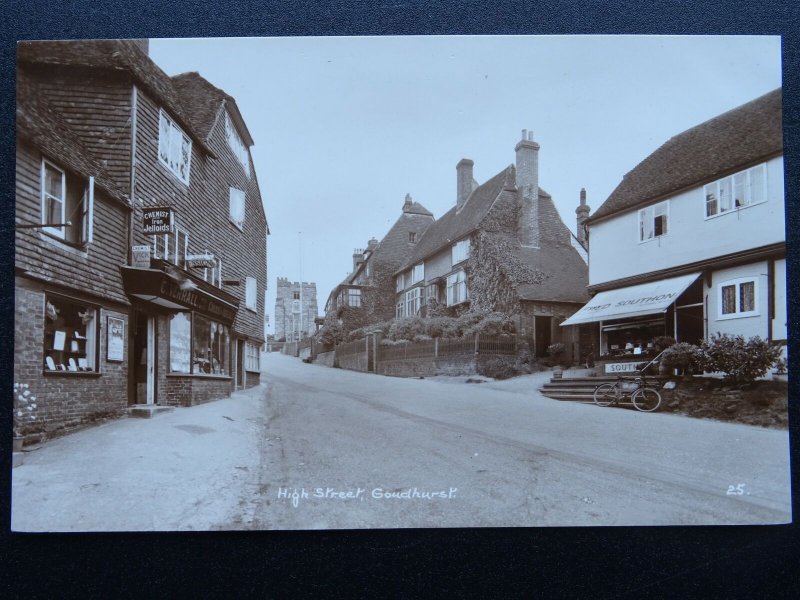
[67,204]
[252,358]
[653,221]
[70,335]
[236,207]
[456,288]
[180,342]
[736,191]
[738,298]
[210,342]
[174,148]
[460,251]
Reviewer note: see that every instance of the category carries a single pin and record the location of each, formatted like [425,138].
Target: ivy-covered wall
[495,269]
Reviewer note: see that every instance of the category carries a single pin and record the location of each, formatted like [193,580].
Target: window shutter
[87,227]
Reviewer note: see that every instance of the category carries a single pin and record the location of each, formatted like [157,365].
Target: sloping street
[458,455]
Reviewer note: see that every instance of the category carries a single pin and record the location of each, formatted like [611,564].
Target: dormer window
[174,148]
[412,237]
[236,144]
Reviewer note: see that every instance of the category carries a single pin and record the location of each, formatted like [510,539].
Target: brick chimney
[463,182]
[371,244]
[407,204]
[527,171]
[582,213]
[358,258]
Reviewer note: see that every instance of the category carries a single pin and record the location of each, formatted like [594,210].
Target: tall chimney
[407,204]
[371,244]
[463,182]
[582,213]
[527,170]
[358,258]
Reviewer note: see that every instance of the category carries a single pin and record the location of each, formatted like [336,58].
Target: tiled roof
[733,140]
[202,101]
[417,209]
[565,274]
[113,55]
[38,123]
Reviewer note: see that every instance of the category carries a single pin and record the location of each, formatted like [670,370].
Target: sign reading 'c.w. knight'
[157,220]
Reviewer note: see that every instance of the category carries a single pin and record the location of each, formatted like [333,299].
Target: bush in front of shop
[742,361]
[686,357]
[499,367]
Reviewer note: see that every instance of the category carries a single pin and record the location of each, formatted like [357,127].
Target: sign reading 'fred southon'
[157,220]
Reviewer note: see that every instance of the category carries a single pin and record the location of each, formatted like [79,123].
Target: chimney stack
[371,244]
[358,258]
[407,204]
[527,171]
[463,182]
[582,213]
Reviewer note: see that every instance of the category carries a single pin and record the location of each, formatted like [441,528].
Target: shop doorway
[144,359]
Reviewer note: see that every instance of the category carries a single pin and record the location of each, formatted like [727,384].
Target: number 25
[736,490]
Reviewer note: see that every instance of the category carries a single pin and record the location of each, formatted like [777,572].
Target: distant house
[503,247]
[366,295]
[692,241]
[140,235]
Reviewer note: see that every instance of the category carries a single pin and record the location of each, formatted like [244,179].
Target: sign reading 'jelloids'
[157,220]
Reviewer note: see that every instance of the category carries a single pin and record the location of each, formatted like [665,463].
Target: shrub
[663,342]
[493,324]
[501,367]
[407,329]
[687,357]
[741,361]
[558,352]
[331,332]
[442,327]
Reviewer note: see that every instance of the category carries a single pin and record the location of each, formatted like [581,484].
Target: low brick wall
[325,359]
[353,362]
[430,367]
[191,391]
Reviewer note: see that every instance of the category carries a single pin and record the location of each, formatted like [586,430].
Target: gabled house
[140,235]
[368,289]
[692,241]
[502,247]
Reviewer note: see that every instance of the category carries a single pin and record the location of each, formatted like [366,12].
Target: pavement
[320,448]
[182,470]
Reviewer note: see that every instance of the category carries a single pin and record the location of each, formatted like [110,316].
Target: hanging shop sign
[157,220]
[140,256]
[200,261]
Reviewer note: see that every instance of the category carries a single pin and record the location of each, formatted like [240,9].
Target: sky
[345,127]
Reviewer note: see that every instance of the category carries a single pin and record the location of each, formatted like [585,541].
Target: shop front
[183,347]
[631,319]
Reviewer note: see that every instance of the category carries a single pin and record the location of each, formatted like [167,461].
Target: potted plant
[24,412]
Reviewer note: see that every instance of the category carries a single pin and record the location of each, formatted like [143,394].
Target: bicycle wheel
[605,394]
[646,399]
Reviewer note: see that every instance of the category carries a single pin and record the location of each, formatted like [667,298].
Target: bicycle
[644,398]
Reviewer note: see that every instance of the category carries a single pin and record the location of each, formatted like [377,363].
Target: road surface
[349,450]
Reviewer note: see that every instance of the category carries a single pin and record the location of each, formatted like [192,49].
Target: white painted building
[692,241]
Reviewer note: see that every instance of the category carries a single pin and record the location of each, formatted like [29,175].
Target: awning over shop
[634,301]
[159,287]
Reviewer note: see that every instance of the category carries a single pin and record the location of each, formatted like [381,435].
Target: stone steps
[581,389]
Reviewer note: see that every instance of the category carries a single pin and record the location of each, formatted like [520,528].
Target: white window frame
[413,299]
[460,251]
[166,147]
[353,297]
[400,308]
[56,231]
[236,207]
[432,292]
[737,284]
[213,275]
[400,283]
[251,294]
[236,144]
[252,358]
[649,214]
[455,283]
[418,273]
[731,182]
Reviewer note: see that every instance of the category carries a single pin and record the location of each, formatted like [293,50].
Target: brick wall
[65,400]
[326,359]
[354,362]
[191,391]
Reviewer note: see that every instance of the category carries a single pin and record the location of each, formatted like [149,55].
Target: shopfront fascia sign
[171,290]
[140,257]
[200,261]
[157,220]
